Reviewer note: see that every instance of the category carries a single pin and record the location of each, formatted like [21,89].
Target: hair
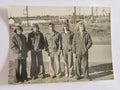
[15,30]
[53,25]
[80,24]
[35,25]
[66,25]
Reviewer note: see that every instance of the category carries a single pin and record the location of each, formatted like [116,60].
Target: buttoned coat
[53,42]
[81,44]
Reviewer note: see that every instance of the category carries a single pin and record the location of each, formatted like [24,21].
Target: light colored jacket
[53,42]
[81,44]
[67,41]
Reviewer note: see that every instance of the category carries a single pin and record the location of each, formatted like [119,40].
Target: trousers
[37,65]
[68,62]
[81,65]
[54,64]
[20,70]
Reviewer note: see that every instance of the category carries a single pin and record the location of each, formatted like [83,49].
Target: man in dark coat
[19,47]
[81,44]
[36,44]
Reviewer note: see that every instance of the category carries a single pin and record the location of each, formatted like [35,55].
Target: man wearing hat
[67,40]
[19,47]
[35,45]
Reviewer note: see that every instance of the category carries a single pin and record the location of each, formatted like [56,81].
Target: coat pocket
[84,51]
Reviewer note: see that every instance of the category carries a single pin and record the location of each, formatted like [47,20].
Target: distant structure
[25,12]
[14,21]
[74,15]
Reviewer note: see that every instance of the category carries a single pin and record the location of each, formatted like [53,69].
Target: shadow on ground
[100,70]
[96,72]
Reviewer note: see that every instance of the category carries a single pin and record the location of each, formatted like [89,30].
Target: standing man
[19,47]
[36,44]
[81,44]
[53,47]
[67,41]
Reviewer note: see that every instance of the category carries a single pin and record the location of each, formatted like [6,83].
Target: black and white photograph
[51,44]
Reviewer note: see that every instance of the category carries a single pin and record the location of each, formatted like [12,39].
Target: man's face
[65,29]
[18,30]
[51,28]
[34,29]
[81,28]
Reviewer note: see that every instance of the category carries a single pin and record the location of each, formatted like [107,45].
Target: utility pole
[74,15]
[92,11]
[92,14]
[104,12]
[79,12]
[96,11]
[27,15]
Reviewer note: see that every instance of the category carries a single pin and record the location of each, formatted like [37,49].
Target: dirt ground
[100,67]
[96,72]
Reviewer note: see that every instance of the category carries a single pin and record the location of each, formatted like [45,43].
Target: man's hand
[59,51]
[74,55]
[62,52]
[46,49]
[35,49]
[48,53]
[85,51]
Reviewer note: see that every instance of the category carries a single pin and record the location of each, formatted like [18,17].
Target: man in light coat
[67,41]
[81,44]
[53,47]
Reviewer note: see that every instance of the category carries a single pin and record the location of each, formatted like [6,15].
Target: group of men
[67,43]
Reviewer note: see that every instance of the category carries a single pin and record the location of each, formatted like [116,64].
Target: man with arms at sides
[67,40]
[35,45]
[53,47]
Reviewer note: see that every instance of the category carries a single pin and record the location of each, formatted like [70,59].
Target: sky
[19,11]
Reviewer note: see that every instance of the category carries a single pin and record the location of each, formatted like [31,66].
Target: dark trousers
[81,65]
[20,70]
[37,66]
